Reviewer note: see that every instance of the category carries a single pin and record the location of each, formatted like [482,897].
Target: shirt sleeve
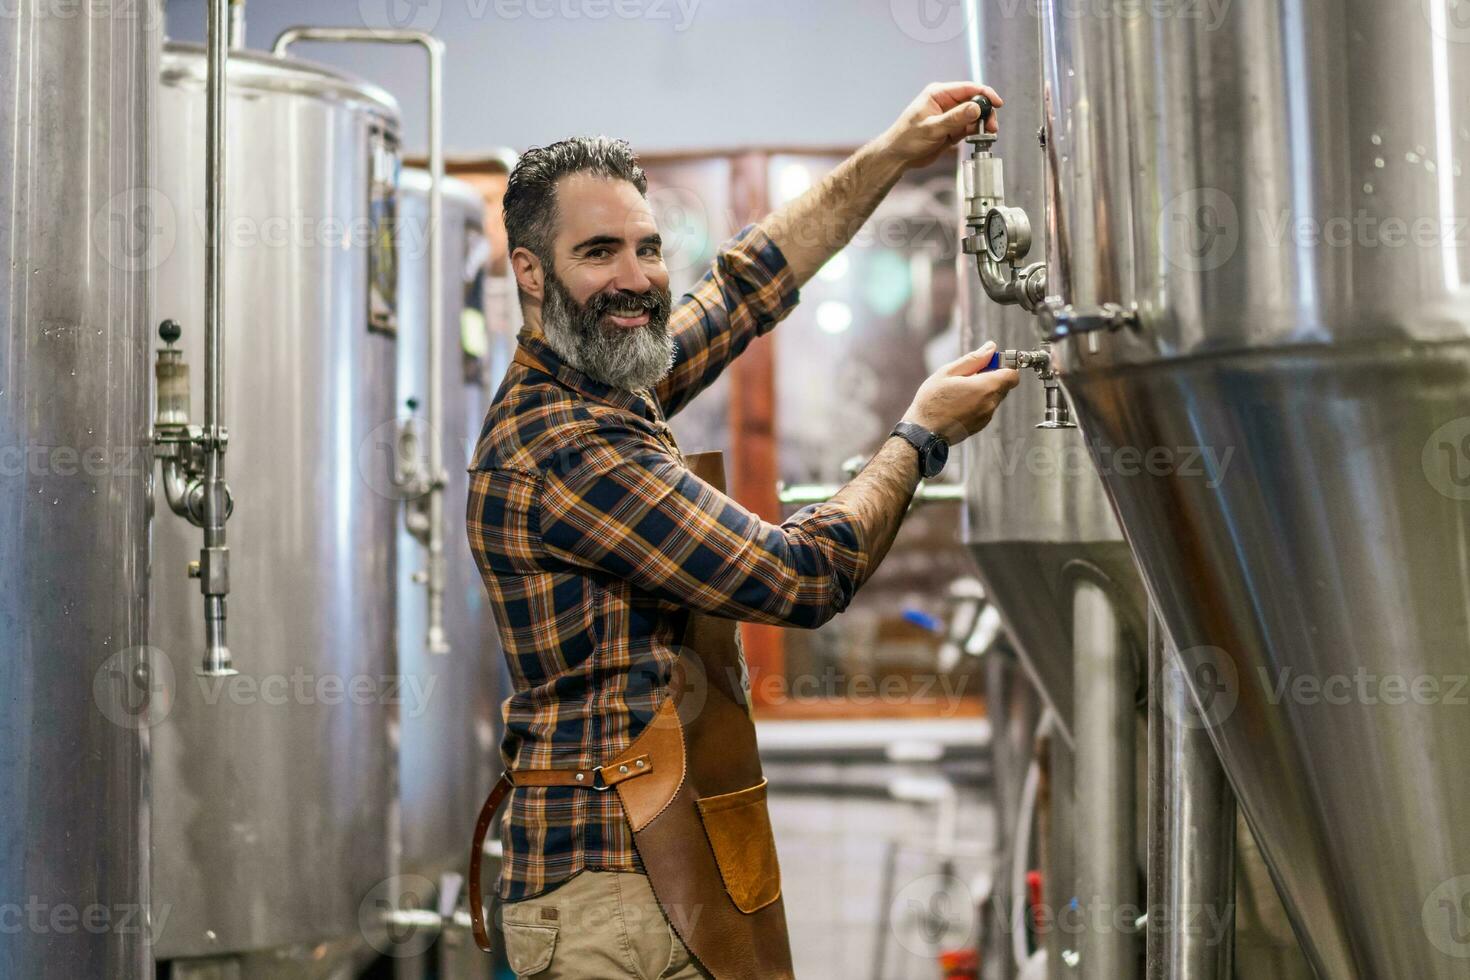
[637,513]
[748,290]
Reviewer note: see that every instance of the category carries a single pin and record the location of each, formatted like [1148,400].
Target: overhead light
[793,182]
[834,316]
[835,268]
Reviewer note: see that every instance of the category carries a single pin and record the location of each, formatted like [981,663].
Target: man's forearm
[818,224]
[880,495]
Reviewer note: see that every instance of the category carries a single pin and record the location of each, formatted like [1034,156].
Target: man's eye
[598,253]
[652,251]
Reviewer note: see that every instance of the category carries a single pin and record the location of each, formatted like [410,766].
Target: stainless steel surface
[1106,816]
[1035,502]
[76,109]
[272,788]
[442,770]
[1252,183]
[434,54]
[1191,833]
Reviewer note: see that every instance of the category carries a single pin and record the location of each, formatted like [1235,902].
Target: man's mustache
[655,302]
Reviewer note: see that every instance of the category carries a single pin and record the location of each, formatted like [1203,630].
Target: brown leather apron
[692,789]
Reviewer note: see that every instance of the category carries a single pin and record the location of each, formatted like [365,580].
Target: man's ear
[530,275]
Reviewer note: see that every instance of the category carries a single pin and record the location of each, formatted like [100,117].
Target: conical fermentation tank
[273,787]
[76,688]
[1258,245]
[442,775]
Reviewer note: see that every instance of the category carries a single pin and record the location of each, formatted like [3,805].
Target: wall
[677,74]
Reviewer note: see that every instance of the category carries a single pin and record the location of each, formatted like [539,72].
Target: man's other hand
[939,118]
[959,399]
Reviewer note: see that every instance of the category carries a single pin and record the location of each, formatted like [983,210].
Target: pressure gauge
[1007,234]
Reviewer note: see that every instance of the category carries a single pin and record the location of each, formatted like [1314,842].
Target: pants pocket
[528,948]
[739,829]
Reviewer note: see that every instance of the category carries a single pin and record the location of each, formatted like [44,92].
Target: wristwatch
[933,450]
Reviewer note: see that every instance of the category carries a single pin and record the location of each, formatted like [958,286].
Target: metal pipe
[237,25]
[1191,831]
[1107,866]
[437,637]
[214,569]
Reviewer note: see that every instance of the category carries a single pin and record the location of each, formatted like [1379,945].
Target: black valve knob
[413,404]
[170,331]
[985,109]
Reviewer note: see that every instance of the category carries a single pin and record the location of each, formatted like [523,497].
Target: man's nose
[630,276]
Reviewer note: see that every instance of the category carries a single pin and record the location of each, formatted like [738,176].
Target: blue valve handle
[994,361]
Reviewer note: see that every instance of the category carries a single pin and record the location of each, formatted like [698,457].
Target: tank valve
[1058,412]
[183,452]
[178,444]
[1000,236]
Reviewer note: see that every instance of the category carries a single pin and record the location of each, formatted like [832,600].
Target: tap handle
[985,109]
[169,332]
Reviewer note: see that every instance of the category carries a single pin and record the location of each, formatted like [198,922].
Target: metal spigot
[1058,412]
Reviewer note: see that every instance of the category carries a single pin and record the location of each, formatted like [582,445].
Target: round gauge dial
[997,235]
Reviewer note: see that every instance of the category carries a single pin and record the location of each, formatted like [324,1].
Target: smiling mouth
[639,319]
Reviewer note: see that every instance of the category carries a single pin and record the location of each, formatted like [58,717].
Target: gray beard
[618,357]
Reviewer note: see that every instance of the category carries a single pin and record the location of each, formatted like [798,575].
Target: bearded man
[637,842]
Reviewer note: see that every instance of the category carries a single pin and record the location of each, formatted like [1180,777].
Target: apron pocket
[739,829]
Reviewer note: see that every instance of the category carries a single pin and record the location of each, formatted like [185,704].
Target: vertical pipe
[437,640]
[1107,867]
[1191,832]
[237,24]
[213,559]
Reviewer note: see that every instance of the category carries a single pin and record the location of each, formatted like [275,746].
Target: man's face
[604,301]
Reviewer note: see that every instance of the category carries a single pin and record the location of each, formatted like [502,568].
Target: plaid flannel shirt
[594,542]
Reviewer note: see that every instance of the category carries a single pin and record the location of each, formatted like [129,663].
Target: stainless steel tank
[76,106]
[1036,518]
[1278,190]
[273,788]
[442,777]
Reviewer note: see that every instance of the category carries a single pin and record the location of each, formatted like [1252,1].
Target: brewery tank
[1273,195]
[76,107]
[1036,517]
[272,789]
[442,769]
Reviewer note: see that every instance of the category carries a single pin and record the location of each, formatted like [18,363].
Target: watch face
[936,454]
[997,236]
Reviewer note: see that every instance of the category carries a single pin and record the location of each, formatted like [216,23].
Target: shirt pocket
[739,829]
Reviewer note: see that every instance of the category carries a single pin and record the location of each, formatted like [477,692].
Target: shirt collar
[535,353]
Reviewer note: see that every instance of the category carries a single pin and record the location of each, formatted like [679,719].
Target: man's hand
[958,400]
[939,118]
[815,226]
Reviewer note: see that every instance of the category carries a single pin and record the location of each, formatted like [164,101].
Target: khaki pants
[600,924]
